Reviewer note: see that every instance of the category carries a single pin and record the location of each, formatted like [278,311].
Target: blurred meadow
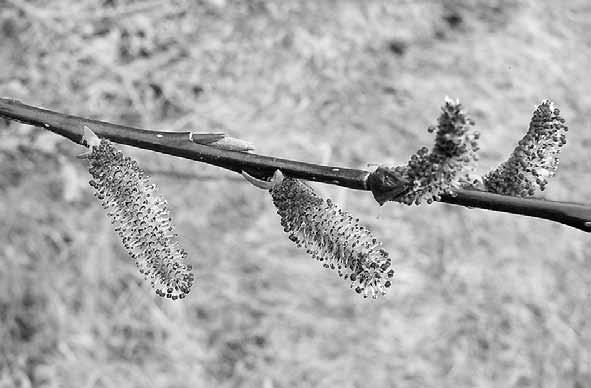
[479,299]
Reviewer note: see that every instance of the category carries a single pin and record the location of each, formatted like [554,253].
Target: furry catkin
[430,173]
[333,237]
[142,220]
[535,158]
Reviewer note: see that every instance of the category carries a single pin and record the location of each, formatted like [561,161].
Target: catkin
[535,158]
[431,173]
[333,237]
[142,220]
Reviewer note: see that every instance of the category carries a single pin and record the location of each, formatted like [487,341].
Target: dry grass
[479,299]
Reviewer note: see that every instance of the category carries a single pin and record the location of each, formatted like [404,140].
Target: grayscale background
[480,299]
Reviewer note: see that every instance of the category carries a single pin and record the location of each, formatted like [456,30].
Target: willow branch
[194,146]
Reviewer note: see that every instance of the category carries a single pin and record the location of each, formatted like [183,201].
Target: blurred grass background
[480,299]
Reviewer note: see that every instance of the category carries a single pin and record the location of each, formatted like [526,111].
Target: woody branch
[201,148]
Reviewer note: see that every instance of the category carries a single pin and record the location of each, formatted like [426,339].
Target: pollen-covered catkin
[333,237]
[535,158]
[431,173]
[142,220]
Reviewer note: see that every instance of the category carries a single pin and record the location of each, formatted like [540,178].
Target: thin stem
[186,145]
[572,214]
[183,144]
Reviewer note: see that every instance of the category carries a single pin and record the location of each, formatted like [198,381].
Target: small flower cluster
[535,158]
[332,236]
[142,220]
[429,174]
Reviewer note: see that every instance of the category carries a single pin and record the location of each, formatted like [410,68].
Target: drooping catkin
[535,158]
[142,220]
[333,237]
[431,173]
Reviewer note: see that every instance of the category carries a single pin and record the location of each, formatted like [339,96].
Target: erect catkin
[142,220]
[535,158]
[333,237]
[431,173]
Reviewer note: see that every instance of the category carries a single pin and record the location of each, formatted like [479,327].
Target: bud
[535,158]
[429,174]
[141,218]
[332,236]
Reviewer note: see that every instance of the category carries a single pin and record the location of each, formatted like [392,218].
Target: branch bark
[194,146]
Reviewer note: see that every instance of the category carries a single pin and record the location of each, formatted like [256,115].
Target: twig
[185,145]
[180,144]
[174,174]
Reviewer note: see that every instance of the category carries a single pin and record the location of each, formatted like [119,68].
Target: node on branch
[429,174]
